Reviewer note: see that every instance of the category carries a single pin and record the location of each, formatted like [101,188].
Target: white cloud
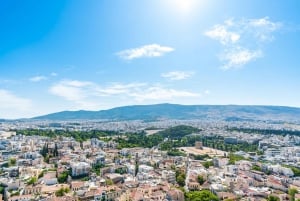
[153,50]
[238,57]
[88,95]
[162,94]
[243,40]
[80,93]
[12,106]
[76,83]
[265,23]
[37,78]
[72,90]
[9,100]
[118,88]
[220,33]
[263,28]
[177,75]
[42,77]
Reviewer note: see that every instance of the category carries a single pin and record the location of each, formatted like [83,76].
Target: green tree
[200,179]
[97,168]
[180,179]
[233,158]
[109,182]
[62,191]
[63,177]
[32,180]
[12,162]
[55,151]
[292,192]
[2,189]
[136,168]
[204,195]
[207,164]
[44,150]
[175,152]
[273,198]
[41,174]
[47,158]
[257,168]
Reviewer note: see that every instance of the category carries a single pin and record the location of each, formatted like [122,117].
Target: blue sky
[70,55]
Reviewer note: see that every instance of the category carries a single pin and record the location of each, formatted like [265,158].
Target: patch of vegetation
[180,178]
[207,164]
[178,131]
[152,128]
[177,136]
[233,158]
[85,178]
[15,193]
[256,168]
[282,132]
[295,170]
[214,141]
[138,140]
[2,188]
[292,192]
[62,191]
[200,179]
[175,152]
[97,168]
[32,180]
[109,182]
[120,171]
[79,136]
[204,195]
[273,198]
[63,177]
[200,157]
[41,174]
[12,162]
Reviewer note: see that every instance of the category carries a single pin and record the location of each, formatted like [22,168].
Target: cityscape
[154,100]
[156,160]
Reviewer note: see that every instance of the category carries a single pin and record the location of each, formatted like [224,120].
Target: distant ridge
[175,111]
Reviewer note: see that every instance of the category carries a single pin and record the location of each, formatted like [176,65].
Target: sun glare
[184,6]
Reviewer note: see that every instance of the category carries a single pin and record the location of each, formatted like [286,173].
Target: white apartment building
[80,169]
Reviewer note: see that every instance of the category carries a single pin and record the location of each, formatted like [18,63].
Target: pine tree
[55,152]
[44,150]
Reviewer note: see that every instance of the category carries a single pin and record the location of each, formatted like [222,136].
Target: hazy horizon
[73,55]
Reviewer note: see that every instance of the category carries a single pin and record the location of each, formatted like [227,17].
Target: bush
[207,164]
[200,179]
[62,191]
[63,177]
[12,162]
[273,198]
[32,180]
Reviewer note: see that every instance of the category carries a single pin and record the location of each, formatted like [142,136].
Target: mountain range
[183,112]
